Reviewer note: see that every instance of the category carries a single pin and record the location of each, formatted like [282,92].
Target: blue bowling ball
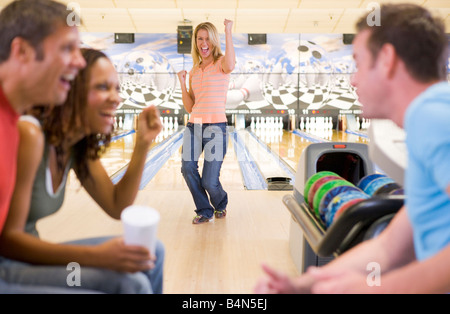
[376,184]
[340,200]
[367,179]
[330,195]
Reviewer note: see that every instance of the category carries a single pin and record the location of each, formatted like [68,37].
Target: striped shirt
[210,88]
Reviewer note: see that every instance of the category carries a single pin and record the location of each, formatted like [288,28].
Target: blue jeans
[95,279]
[211,139]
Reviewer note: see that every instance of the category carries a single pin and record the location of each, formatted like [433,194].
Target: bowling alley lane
[348,136]
[118,154]
[338,135]
[223,256]
[285,144]
[169,177]
[232,245]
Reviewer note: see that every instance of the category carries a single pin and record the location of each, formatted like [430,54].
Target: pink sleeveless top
[210,88]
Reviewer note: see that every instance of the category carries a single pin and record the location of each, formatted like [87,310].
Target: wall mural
[292,73]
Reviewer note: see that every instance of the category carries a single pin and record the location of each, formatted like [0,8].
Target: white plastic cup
[140,225]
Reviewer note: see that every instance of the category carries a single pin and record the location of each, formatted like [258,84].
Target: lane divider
[117,137]
[309,137]
[156,158]
[251,175]
[357,133]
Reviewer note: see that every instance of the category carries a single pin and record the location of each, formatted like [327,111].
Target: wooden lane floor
[340,136]
[223,256]
[118,154]
[169,178]
[288,146]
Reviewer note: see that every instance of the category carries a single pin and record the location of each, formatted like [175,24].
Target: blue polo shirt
[427,125]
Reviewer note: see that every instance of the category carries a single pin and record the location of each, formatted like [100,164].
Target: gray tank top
[45,201]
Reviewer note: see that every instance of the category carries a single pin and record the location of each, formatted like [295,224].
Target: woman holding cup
[73,136]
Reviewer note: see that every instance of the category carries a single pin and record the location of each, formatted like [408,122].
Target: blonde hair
[213,38]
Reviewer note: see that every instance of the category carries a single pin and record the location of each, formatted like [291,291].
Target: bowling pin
[364,124]
[302,123]
[159,137]
[312,124]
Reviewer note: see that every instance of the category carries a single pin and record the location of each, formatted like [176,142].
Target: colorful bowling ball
[324,190]
[376,184]
[326,199]
[313,179]
[367,179]
[387,189]
[317,185]
[340,200]
[346,206]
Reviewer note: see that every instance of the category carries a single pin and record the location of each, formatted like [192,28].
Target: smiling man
[401,76]
[39,56]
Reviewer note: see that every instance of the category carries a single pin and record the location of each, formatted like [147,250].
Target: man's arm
[429,276]
[392,249]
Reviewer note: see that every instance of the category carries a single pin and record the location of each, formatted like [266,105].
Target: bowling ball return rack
[310,242]
[359,222]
